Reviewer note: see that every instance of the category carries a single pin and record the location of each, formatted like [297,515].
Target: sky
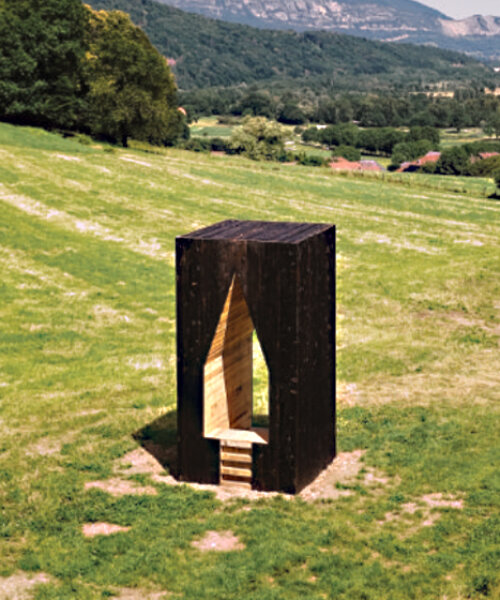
[458,9]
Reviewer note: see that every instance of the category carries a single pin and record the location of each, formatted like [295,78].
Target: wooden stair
[236,463]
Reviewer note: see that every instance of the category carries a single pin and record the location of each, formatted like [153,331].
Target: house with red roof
[410,166]
[339,163]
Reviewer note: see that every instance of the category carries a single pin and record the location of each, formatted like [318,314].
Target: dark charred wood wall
[287,272]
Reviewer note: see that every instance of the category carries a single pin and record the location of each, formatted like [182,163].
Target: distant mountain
[476,25]
[385,20]
[346,16]
[205,52]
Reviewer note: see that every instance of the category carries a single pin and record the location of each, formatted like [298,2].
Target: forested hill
[205,52]
[384,20]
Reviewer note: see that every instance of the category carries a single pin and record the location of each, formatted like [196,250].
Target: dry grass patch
[347,394]
[44,447]
[21,586]
[218,541]
[460,383]
[138,461]
[138,594]
[121,487]
[424,508]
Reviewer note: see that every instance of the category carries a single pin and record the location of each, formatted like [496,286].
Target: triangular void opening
[228,376]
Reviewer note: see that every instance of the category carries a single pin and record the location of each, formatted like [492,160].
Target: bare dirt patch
[150,362]
[105,315]
[218,541]
[44,447]
[343,470]
[89,413]
[347,394]
[21,586]
[440,501]
[143,163]
[139,461]
[93,529]
[68,158]
[121,487]
[460,319]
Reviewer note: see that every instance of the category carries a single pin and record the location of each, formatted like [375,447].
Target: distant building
[339,163]
[411,166]
[371,165]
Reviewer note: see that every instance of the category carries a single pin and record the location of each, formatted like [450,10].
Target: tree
[344,134]
[380,139]
[425,133]
[458,118]
[326,112]
[311,134]
[41,52]
[259,139]
[453,161]
[132,92]
[492,125]
[291,114]
[256,103]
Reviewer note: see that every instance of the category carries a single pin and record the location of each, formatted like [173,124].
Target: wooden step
[235,472]
[227,455]
[236,483]
[236,463]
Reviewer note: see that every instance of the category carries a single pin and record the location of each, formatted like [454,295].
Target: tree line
[66,66]
[468,107]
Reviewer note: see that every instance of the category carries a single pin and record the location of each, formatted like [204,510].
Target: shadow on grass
[159,439]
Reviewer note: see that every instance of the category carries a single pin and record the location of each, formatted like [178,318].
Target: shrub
[196,145]
[259,139]
[310,160]
[348,152]
[429,168]
[487,167]
[311,134]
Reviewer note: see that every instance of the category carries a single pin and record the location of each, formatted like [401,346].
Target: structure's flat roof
[259,231]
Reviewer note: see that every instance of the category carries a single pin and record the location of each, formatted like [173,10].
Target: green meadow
[87,375]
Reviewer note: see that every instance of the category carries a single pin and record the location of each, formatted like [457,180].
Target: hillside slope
[88,383]
[207,52]
[387,20]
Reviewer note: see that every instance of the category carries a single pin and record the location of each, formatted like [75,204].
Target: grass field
[450,137]
[87,375]
[210,127]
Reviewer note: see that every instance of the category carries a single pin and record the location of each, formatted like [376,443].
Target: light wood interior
[227,375]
